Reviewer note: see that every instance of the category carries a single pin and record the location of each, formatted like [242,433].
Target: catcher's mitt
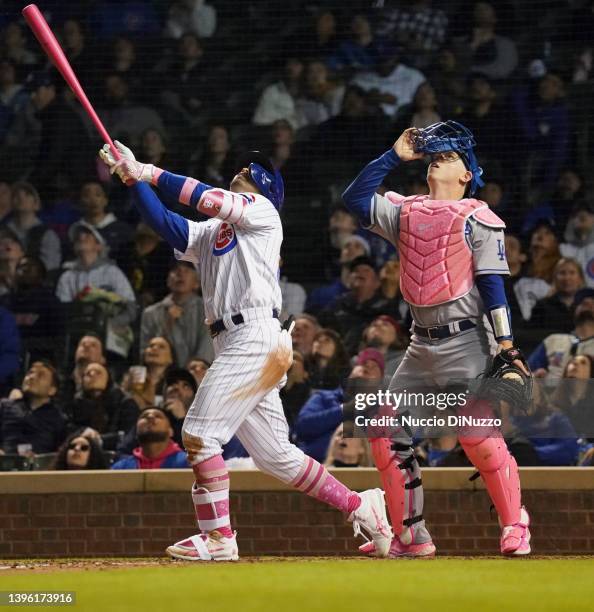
[506,381]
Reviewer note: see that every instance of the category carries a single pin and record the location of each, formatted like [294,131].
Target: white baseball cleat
[370,518]
[205,547]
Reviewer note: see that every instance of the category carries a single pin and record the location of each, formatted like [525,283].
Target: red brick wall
[271,523]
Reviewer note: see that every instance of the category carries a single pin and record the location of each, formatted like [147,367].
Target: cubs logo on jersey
[225,240]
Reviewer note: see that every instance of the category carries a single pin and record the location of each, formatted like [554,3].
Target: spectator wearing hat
[179,389]
[386,335]
[352,312]
[93,277]
[32,421]
[555,312]
[551,356]
[179,316]
[156,449]
[321,297]
[94,200]
[37,239]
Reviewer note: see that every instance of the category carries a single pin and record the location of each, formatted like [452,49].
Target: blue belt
[439,332]
[218,326]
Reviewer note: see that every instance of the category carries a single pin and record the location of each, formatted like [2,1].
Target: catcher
[452,260]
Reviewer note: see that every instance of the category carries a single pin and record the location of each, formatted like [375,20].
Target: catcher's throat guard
[450,136]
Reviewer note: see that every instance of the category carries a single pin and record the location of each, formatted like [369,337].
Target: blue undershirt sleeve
[358,195]
[492,292]
[169,225]
[172,184]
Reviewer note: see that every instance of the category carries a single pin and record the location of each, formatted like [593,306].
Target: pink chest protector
[435,260]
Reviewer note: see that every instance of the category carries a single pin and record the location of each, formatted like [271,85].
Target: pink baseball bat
[52,48]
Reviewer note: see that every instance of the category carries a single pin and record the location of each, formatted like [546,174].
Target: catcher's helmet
[264,175]
[450,136]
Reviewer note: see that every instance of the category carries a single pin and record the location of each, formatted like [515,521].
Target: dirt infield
[42,566]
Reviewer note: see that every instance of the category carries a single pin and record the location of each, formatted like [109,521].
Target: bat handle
[117,155]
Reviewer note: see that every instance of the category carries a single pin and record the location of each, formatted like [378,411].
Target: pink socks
[315,480]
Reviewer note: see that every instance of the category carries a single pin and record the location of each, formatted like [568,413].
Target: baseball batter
[452,260]
[237,252]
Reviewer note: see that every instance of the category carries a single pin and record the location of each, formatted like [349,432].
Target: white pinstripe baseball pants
[257,419]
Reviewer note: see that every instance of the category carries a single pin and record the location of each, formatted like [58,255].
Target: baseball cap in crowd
[362,261]
[362,242]
[371,354]
[174,375]
[581,295]
[82,227]
[391,320]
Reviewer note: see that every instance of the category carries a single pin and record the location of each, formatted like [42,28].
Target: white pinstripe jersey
[238,263]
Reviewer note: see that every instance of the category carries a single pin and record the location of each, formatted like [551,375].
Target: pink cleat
[205,547]
[515,539]
[398,549]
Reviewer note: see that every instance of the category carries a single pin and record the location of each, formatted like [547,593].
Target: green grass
[327,585]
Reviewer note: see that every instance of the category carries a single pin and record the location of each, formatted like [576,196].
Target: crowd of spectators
[102,335]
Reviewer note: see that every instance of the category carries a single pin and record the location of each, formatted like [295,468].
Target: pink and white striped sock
[210,494]
[315,480]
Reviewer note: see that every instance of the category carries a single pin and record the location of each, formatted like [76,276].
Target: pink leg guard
[499,472]
[315,480]
[210,495]
[393,480]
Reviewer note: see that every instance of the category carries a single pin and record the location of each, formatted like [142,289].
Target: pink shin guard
[499,471]
[393,480]
[210,495]
[315,480]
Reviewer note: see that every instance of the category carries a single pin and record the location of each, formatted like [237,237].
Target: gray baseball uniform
[464,355]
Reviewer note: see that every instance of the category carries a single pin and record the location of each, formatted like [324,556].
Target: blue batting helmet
[450,136]
[264,175]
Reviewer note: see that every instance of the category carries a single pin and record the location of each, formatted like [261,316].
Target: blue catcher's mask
[450,136]
[263,174]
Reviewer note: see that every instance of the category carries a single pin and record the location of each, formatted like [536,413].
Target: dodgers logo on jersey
[225,241]
[500,250]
